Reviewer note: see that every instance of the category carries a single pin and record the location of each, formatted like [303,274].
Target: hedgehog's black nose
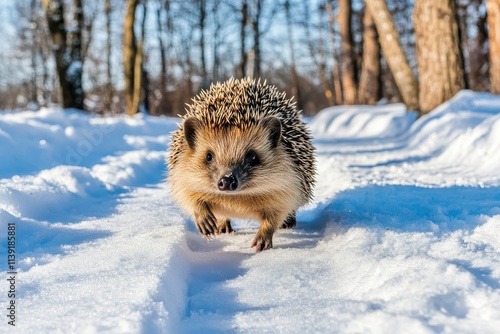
[227,182]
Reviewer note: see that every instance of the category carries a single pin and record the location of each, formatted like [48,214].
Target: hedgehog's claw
[207,226]
[261,243]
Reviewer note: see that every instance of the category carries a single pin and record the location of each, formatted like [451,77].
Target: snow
[402,235]
[362,122]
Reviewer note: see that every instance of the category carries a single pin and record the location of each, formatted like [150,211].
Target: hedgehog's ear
[273,124]
[191,124]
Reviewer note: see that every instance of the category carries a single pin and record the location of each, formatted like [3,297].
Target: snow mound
[56,137]
[463,131]
[343,122]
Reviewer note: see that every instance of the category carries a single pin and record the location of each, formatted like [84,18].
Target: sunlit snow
[403,235]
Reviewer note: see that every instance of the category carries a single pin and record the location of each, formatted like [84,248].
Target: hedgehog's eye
[251,158]
[209,157]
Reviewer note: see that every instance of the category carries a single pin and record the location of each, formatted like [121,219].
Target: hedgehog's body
[242,152]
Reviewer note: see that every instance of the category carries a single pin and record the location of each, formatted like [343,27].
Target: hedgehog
[242,151]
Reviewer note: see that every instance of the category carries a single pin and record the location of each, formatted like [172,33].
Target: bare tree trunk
[67,52]
[201,22]
[256,38]
[255,14]
[45,78]
[493,9]
[478,55]
[108,95]
[465,45]
[162,97]
[33,47]
[391,47]
[295,77]
[163,56]
[75,71]
[217,42]
[318,56]
[337,85]
[129,55]
[144,75]
[242,68]
[369,82]
[87,26]
[44,53]
[138,66]
[438,52]
[348,67]
[145,86]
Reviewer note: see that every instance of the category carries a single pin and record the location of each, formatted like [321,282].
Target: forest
[153,56]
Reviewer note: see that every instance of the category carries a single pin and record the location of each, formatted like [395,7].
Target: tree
[295,77]
[34,88]
[438,53]
[108,95]
[242,67]
[217,40]
[337,85]
[29,38]
[256,17]
[140,75]
[133,55]
[393,53]
[67,48]
[161,97]
[317,54]
[255,24]
[349,85]
[129,55]
[202,16]
[472,28]
[478,53]
[369,82]
[493,9]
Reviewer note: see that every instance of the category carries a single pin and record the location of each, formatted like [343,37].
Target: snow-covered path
[403,235]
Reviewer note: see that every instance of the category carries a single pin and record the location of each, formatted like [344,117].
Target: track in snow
[211,301]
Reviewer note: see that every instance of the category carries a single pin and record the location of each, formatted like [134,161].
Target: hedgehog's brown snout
[228,182]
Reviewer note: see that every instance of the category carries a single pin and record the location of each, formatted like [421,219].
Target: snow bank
[455,144]
[381,121]
[402,235]
[462,131]
[33,141]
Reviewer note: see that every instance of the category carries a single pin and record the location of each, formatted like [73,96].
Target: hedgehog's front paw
[225,227]
[207,225]
[262,242]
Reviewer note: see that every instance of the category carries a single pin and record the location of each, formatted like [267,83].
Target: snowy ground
[403,235]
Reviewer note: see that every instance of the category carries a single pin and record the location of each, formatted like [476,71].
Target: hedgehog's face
[232,160]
